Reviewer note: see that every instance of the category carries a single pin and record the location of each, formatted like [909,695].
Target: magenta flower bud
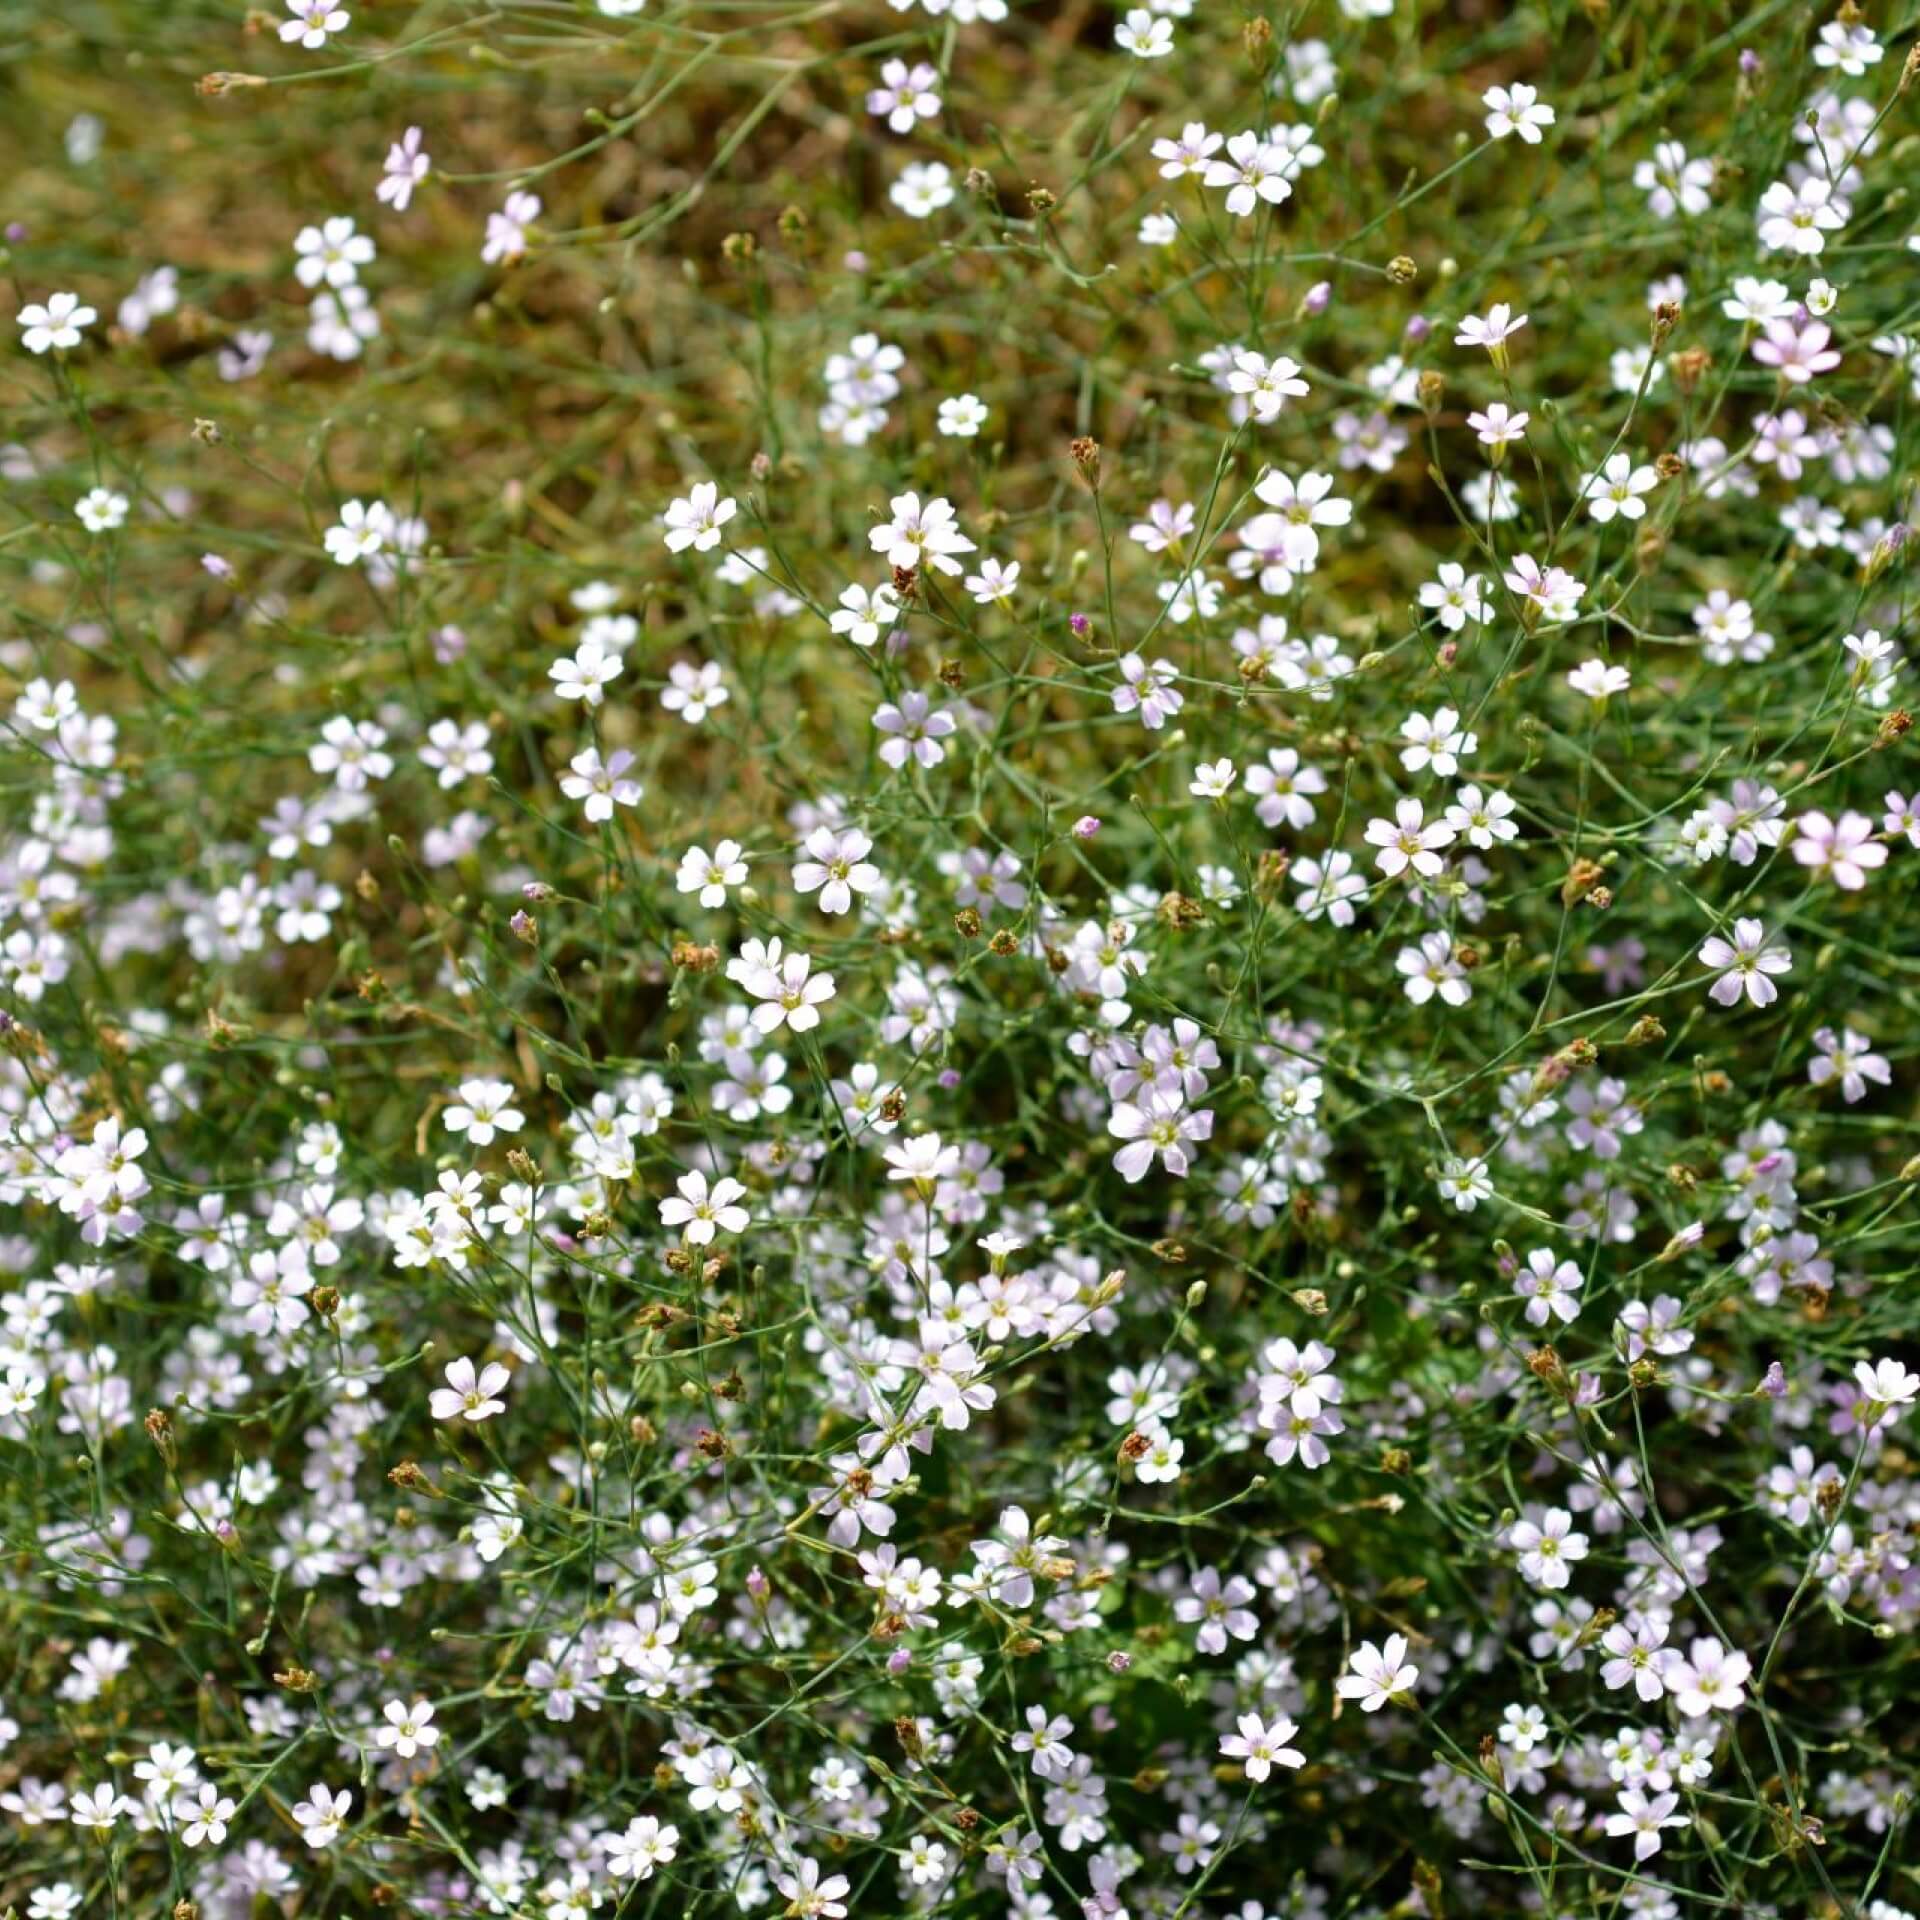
[758,1585]
[1103,1720]
[1079,625]
[226,1533]
[1086,827]
[1118,1662]
[538,892]
[1749,62]
[855,261]
[16,231]
[1319,297]
[1417,329]
[1773,1382]
[449,645]
[899,1661]
[524,925]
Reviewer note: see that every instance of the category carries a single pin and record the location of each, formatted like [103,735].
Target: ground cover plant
[959,959]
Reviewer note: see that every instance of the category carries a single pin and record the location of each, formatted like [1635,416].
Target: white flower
[1708,1680]
[836,868]
[1378,1673]
[101,510]
[1260,1746]
[322,1815]
[1617,489]
[469,1395]
[56,325]
[1212,780]
[312,22]
[363,530]
[863,617]
[696,520]
[1517,109]
[701,1213]
[1745,965]
[1548,1549]
[1885,1387]
[922,189]
[409,1729]
[918,535]
[484,1108]
[710,875]
[331,253]
[962,416]
[1145,35]
[1597,680]
[602,785]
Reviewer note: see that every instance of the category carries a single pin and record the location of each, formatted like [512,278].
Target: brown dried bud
[1669,466]
[1896,726]
[1086,461]
[216,86]
[1469,957]
[966,923]
[1645,1031]
[1402,270]
[325,1302]
[893,1105]
[1042,200]
[520,1165]
[760,468]
[952,674]
[1256,39]
[907,1732]
[1397,1461]
[1003,944]
[1432,389]
[1545,1366]
[1689,367]
[1582,877]
[712,1443]
[1666,316]
[1600,899]
[1171,1251]
[906,584]
[1176,910]
[737,249]
[296,1680]
[1135,1447]
[690,958]
[1272,870]
[1682,1176]
[159,1425]
[640,1430]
